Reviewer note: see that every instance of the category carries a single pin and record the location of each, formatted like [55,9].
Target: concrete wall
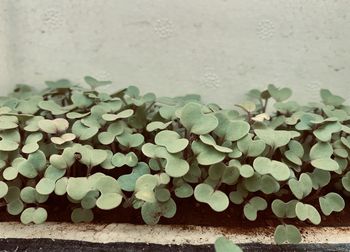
[218,48]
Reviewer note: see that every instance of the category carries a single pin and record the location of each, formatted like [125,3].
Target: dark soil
[189,212]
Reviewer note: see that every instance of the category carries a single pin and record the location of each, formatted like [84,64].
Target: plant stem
[160,165]
[265,105]
[114,147]
[89,170]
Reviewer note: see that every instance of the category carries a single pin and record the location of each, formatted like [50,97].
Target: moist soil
[34,245]
[189,212]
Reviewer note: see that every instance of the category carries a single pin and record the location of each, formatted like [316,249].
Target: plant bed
[189,212]
[73,153]
[127,237]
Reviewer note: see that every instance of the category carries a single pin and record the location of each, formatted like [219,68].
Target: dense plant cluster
[284,156]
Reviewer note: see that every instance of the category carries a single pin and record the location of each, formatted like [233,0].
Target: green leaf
[45,186]
[80,215]
[277,169]
[8,122]
[253,184]
[27,215]
[15,207]
[59,84]
[63,138]
[151,212]
[29,195]
[332,202]
[162,194]
[107,184]
[246,171]
[329,99]
[83,132]
[324,133]
[296,148]
[61,186]
[325,164]
[54,108]
[171,140]
[247,106]
[276,138]
[10,173]
[130,140]
[279,94]
[205,154]
[321,150]
[237,197]
[32,124]
[231,130]
[251,148]
[63,161]
[346,181]
[77,188]
[287,233]
[224,245]
[38,160]
[175,166]
[306,211]
[93,83]
[7,144]
[254,205]
[53,173]
[108,201]
[127,182]
[31,143]
[144,187]
[120,159]
[81,101]
[121,115]
[292,157]
[320,178]
[183,189]
[27,169]
[92,157]
[89,201]
[156,125]
[13,194]
[3,189]
[302,187]
[197,122]
[209,140]
[217,200]
[287,107]
[53,126]
[268,184]
[284,210]
[35,215]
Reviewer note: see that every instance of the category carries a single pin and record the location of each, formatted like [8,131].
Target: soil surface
[189,212]
[18,245]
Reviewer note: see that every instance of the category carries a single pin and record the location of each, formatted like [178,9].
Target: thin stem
[89,170]
[265,105]
[114,147]
[160,165]
[123,100]
[249,115]
[149,107]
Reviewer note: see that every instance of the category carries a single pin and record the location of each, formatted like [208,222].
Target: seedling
[125,149]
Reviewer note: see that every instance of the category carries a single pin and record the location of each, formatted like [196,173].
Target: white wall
[218,48]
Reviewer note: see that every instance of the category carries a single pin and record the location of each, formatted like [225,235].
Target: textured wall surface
[218,48]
